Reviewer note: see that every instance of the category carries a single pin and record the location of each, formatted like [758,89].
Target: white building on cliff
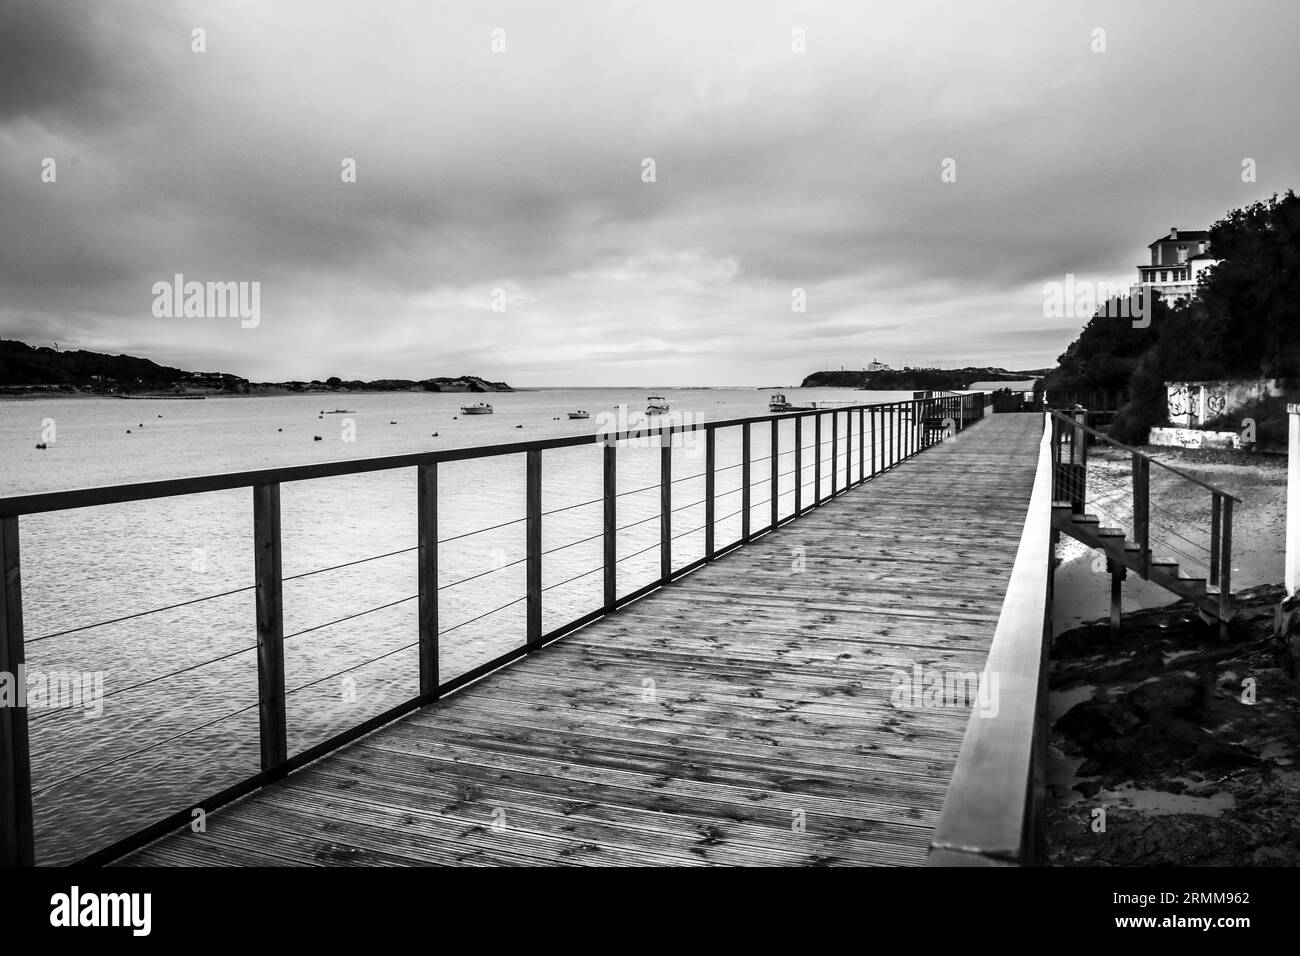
[1177,261]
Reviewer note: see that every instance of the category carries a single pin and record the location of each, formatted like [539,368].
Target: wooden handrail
[989,813]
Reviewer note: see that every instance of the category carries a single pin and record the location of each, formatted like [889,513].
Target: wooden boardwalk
[740,716]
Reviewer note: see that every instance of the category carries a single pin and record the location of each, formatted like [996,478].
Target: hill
[25,369]
[914,379]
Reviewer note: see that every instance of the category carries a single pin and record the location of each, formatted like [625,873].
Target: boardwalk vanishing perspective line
[742,715]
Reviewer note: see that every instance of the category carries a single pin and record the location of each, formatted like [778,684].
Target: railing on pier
[993,812]
[877,437]
[1123,501]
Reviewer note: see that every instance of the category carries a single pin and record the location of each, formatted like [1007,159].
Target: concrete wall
[1193,438]
[1194,403]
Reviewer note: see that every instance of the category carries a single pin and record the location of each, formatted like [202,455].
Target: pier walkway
[740,715]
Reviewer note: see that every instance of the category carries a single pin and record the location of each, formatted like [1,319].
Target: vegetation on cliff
[1243,324]
[914,379]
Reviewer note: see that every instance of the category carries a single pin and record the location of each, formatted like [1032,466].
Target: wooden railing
[993,812]
[887,434]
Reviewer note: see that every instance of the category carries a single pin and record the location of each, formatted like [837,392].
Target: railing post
[893,415]
[848,450]
[1291,565]
[874,432]
[817,458]
[776,464]
[533,544]
[17,831]
[710,450]
[1141,513]
[665,509]
[611,526]
[1225,565]
[798,465]
[744,481]
[427,518]
[1216,518]
[862,445]
[835,453]
[270,626]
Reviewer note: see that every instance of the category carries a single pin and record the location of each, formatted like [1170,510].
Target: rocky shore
[1169,748]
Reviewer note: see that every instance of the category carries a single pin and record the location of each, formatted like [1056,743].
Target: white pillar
[1293,501]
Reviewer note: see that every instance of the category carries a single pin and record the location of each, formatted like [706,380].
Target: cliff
[912,379]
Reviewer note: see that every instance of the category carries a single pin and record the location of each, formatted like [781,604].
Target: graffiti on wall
[1192,404]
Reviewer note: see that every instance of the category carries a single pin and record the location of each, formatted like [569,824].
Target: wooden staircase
[1132,548]
[1086,528]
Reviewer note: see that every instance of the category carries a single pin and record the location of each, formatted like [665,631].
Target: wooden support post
[427,519]
[17,831]
[666,509]
[1141,511]
[710,461]
[270,627]
[533,544]
[744,482]
[1225,569]
[610,526]
[776,464]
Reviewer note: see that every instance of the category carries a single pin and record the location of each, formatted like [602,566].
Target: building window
[1164,276]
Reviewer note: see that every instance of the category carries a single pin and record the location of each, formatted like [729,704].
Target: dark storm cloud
[521,172]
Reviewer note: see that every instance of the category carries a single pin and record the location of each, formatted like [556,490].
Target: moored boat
[656,405]
[482,408]
[579,414]
[779,403]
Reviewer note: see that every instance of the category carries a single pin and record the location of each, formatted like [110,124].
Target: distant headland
[914,379]
[27,370]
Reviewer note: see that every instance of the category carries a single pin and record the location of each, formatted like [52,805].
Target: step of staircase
[1162,570]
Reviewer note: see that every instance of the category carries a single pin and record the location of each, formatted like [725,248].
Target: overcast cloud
[521,171]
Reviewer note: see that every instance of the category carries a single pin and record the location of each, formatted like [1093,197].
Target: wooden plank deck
[740,716]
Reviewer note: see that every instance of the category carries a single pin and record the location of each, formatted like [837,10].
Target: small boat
[778,403]
[40,445]
[656,405]
[316,438]
[579,414]
[482,408]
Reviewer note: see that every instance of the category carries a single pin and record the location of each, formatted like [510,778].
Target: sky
[501,222]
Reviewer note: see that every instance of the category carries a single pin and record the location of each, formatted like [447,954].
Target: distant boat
[40,445]
[778,403]
[482,408]
[579,414]
[656,405]
[163,398]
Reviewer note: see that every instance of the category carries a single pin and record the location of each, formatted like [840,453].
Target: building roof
[1202,255]
[1024,385]
[1190,235]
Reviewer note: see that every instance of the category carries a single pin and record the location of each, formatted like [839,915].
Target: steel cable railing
[871,446]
